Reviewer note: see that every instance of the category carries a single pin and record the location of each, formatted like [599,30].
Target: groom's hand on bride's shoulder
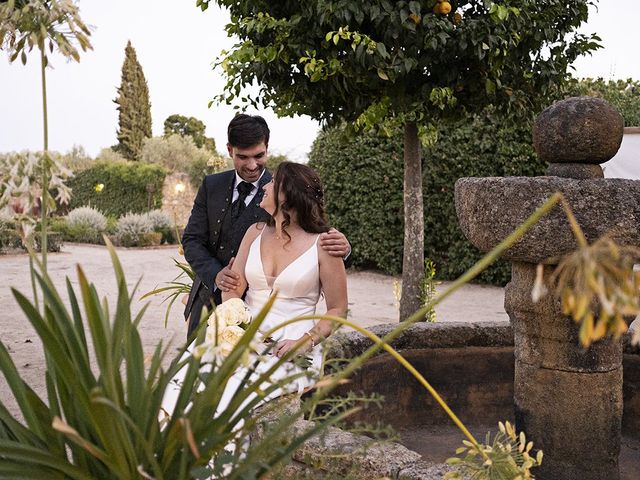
[335,243]
[227,279]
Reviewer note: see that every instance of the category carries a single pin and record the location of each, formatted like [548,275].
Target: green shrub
[85,224]
[9,237]
[109,155]
[112,224]
[134,230]
[275,159]
[180,154]
[116,188]
[59,225]
[623,95]
[162,223]
[75,159]
[363,179]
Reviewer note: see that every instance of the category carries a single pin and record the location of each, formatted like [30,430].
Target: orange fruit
[436,8]
[445,7]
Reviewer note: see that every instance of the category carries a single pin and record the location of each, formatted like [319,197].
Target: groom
[226,205]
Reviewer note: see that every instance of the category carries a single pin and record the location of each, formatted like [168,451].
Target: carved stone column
[567,399]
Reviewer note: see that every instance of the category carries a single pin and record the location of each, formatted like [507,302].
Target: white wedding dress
[298,292]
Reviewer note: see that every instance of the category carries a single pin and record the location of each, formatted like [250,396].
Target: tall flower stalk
[52,24]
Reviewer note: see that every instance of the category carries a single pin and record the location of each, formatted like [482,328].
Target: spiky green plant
[101,418]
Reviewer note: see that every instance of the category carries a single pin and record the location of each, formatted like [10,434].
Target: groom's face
[249,162]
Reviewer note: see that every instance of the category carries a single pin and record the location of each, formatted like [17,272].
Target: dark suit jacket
[202,235]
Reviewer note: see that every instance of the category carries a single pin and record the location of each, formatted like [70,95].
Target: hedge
[126,187]
[363,182]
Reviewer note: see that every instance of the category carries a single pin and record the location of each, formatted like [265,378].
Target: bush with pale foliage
[132,228]
[85,224]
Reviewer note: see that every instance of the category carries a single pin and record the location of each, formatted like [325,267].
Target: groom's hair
[245,131]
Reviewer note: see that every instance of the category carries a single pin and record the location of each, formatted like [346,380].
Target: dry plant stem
[45,163]
[384,342]
[575,227]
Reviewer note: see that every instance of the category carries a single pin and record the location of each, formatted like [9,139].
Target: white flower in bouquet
[225,326]
[231,334]
[225,348]
[233,312]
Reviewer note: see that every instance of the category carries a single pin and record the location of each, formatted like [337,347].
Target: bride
[283,257]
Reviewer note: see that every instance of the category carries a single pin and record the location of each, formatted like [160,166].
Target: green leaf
[490,87]
[28,455]
[382,74]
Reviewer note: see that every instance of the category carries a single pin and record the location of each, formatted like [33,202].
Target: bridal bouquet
[225,326]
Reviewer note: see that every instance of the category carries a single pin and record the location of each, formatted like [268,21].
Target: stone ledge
[425,335]
[489,209]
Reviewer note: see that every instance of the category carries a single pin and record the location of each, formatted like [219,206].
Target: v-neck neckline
[275,279]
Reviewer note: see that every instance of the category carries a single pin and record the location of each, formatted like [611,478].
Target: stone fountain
[567,399]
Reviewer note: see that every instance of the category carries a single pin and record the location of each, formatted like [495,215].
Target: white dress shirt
[252,193]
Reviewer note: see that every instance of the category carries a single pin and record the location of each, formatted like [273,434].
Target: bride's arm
[333,279]
[240,262]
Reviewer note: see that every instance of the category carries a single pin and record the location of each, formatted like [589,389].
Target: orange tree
[404,64]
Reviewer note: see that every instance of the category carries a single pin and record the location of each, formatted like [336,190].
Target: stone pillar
[567,399]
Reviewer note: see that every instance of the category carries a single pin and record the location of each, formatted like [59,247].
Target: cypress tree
[134,106]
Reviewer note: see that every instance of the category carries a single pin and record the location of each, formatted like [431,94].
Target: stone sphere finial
[584,130]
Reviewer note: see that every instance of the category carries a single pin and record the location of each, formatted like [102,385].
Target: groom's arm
[240,262]
[195,241]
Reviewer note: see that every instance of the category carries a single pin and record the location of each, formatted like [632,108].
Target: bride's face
[268,203]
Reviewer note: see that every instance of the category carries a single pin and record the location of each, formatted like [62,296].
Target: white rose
[231,334]
[225,348]
[210,336]
[233,312]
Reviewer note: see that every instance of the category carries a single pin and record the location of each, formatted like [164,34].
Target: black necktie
[237,207]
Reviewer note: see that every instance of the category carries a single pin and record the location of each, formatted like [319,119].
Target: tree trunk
[413,259]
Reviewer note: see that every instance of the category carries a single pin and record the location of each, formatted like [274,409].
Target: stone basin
[472,367]
[491,208]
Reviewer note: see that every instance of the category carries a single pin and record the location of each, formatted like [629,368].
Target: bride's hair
[303,195]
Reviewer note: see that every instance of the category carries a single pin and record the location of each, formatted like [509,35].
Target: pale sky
[176,44]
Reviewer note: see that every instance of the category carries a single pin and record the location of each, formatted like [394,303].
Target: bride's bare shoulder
[254,230]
